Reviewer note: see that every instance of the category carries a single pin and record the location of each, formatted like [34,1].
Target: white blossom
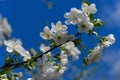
[85,25]
[40,75]
[4,77]
[109,40]
[79,18]
[60,71]
[95,54]
[61,37]
[16,45]
[59,33]
[74,51]
[53,71]
[74,16]
[89,9]
[63,58]
[5,28]
[45,57]
[44,48]
[58,27]
[49,69]
[46,34]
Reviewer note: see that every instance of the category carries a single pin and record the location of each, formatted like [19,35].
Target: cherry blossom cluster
[52,65]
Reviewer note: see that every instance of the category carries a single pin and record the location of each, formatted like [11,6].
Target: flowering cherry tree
[45,64]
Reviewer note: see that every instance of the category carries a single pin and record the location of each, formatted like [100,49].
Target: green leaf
[77,42]
[85,1]
[98,23]
[5,70]
[91,16]
[62,48]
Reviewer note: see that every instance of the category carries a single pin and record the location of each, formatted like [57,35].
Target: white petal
[9,49]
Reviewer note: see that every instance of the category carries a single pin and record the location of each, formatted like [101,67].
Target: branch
[16,65]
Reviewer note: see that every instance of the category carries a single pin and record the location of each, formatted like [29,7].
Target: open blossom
[58,27]
[16,45]
[46,34]
[89,9]
[73,17]
[49,69]
[85,25]
[53,71]
[61,37]
[74,51]
[109,40]
[95,54]
[63,58]
[79,18]
[59,33]
[44,48]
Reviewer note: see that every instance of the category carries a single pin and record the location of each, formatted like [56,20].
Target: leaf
[91,16]
[85,1]
[98,23]
[5,70]
[77,42]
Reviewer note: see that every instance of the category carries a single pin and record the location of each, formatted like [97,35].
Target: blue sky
[28,17]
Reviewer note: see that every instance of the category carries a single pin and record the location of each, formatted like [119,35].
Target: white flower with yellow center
[59,33]
[85,25]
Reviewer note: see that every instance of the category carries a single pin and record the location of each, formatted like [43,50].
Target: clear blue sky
[28,17]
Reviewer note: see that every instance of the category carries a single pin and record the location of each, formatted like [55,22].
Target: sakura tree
[46,64]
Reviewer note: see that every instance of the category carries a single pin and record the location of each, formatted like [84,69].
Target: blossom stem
[96,35]
[84,47]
